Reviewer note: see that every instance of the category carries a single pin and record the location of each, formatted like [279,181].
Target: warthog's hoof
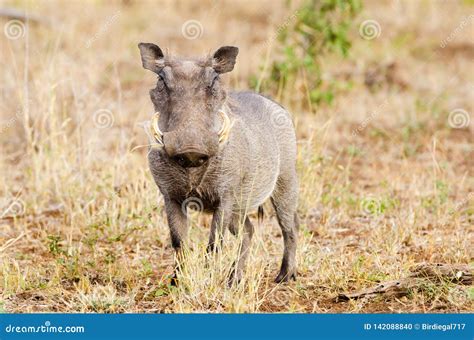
[286,276]
[174,280]
[235,277]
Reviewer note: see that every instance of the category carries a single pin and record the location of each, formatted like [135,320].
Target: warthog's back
[266,131]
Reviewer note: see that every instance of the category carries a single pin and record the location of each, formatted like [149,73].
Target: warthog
[224,152]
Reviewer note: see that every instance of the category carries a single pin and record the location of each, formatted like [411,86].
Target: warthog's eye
[214,81]
[162,84]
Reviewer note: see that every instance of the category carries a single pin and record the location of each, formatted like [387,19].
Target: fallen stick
[438,272]
[456,273]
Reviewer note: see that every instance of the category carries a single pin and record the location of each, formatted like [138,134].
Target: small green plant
[318,28]
[376,206]
[109,256]
[354,151]
[438,198]
[54,245]
[443,191]
[147,268]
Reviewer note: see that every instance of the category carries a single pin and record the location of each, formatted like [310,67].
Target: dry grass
[386,182]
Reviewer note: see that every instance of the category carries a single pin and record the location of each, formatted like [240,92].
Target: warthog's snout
[190,159]
[189,148]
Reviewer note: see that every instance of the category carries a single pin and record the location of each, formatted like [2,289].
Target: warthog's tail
[260,214]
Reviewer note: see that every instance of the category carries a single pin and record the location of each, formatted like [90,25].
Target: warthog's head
[190,121]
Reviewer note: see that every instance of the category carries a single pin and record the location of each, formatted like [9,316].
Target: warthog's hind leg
[284,200]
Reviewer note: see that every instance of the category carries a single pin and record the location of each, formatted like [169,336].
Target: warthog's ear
[223,59]
[152,57]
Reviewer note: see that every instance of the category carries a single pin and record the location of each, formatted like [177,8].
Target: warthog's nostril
[191,159]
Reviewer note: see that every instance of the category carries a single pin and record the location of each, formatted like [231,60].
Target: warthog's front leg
[244,250]
[222,218]
[178,224]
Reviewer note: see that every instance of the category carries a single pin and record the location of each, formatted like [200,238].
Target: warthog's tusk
[157,134]
[226,126]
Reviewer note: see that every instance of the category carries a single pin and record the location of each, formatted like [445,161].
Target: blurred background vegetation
[317,30]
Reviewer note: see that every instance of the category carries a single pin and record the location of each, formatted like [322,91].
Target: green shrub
[317,29]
